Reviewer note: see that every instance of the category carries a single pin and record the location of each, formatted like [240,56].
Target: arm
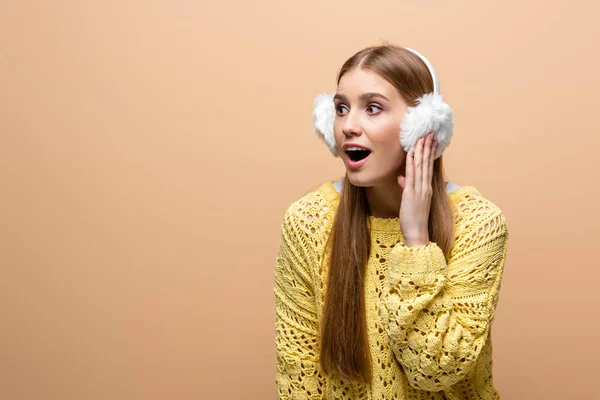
[437,314]
[297,376]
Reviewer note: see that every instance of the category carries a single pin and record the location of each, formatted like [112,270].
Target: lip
[355,164]
[346,145]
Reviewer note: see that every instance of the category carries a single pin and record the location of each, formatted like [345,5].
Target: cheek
[388,135]
[337,131]
[388,140]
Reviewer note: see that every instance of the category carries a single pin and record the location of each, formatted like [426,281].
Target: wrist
[416,241]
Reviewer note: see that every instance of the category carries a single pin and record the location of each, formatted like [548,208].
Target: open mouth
[358,154]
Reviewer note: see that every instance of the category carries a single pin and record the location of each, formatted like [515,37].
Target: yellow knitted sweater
[429,319]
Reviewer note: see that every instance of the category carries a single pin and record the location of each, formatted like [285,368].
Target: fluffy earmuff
[323,117]
[430,114]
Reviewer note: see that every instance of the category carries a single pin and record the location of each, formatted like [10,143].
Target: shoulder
[469,199]
[474,212]
[312,213]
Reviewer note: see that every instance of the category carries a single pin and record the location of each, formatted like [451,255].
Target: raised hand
[417,192]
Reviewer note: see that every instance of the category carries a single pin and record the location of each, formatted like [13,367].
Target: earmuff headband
[431,114]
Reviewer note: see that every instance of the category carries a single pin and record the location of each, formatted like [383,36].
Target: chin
[362,179]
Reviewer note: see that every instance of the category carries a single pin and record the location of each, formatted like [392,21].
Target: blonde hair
[344,349]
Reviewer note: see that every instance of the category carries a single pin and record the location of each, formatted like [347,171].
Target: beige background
[150,148]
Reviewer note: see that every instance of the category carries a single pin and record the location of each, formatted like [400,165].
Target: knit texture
[428,319]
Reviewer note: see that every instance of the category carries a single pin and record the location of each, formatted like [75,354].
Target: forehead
[359,81]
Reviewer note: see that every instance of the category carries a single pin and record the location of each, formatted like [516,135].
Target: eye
[376,107]
[339,109]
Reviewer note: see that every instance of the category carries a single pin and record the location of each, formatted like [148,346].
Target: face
[369,111]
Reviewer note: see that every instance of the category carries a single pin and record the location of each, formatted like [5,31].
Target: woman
[387,280]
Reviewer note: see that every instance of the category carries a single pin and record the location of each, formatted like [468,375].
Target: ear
[431,114]
[323,117]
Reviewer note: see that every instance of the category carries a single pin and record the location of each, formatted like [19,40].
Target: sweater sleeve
[438,314]
[298,375]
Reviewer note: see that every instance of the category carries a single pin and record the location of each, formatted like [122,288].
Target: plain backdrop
[149,149]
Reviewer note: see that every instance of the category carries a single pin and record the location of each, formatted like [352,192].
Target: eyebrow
[363,97]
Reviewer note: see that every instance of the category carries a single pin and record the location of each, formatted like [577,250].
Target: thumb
[401,181]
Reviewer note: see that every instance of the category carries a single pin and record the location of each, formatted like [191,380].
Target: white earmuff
[430,114]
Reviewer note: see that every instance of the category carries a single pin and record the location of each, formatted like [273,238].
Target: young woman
[387,280]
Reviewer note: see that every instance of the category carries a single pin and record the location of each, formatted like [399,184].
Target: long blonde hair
[344,349]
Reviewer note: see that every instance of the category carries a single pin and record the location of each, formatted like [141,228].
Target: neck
[384,200]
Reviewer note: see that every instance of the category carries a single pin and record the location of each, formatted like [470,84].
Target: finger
[418,165]
[427,162]
[409,181]
[433,153]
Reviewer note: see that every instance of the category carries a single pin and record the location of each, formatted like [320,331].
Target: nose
[351,124]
